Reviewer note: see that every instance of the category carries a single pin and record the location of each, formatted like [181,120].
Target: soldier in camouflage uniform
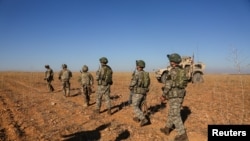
[64,76]
[174,91]
[49,77]
[104,81]
[87,82]
[139,93]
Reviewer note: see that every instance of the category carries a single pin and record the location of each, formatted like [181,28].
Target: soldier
[104,81]
[174,91]
[64,76]
[49,74]
[139,87]
[87,82]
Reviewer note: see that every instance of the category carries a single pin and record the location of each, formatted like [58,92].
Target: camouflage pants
[136,101]
[66,88]
[86,91]
[174,115]
[49,85]
[130,98]
[103,91]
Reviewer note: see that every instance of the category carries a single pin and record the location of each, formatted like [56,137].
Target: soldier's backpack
[66,74]
[51,75]
[144,80]
[86,79]
[107,75]
[181,80]
[143,83]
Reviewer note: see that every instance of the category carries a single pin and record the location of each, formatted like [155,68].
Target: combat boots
[85,105]
[51,89]
[165,130]
[136,119]
[182,137]
[144,122]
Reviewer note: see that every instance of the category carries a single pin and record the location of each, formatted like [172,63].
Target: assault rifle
[131,92]
[98,74]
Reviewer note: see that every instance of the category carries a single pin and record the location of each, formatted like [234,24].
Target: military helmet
[103,60]
[46,66]
[85,68]
[174,58]
[64,66]
[140,63]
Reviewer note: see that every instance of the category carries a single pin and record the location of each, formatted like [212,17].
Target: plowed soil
[30,113]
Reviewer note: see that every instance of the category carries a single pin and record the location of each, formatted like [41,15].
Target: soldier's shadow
[75,92]
[156,108]
[119,107]
[123,135]
[86,135]
[185,111]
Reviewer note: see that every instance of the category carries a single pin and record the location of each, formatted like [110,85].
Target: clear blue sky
[78,32]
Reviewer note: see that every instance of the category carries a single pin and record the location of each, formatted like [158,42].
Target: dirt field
[30,113]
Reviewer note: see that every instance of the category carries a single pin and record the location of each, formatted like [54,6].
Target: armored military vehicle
[195,71]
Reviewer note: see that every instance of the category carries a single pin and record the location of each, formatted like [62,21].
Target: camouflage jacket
[137,83]
[49,74]
[176,82]
[86,78]
[65,75]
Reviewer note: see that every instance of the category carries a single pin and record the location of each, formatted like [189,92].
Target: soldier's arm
[134,81]
[49,74]
[167,86]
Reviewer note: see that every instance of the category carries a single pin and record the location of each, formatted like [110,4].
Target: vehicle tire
[197,78]
[164,77]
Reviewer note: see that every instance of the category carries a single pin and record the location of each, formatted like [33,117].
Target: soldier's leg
[171,114]
[108,101]
[170,118]
[67,89]
[88,93]
[51,89]
[136,100]
[84,94]
[98,98]
[177,116]
[64,88]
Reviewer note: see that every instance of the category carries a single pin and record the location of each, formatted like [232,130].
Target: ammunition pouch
[177,85]
[165,90]
[176,93]
[99,82]
[103,83]
[140,90]
[180,86]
